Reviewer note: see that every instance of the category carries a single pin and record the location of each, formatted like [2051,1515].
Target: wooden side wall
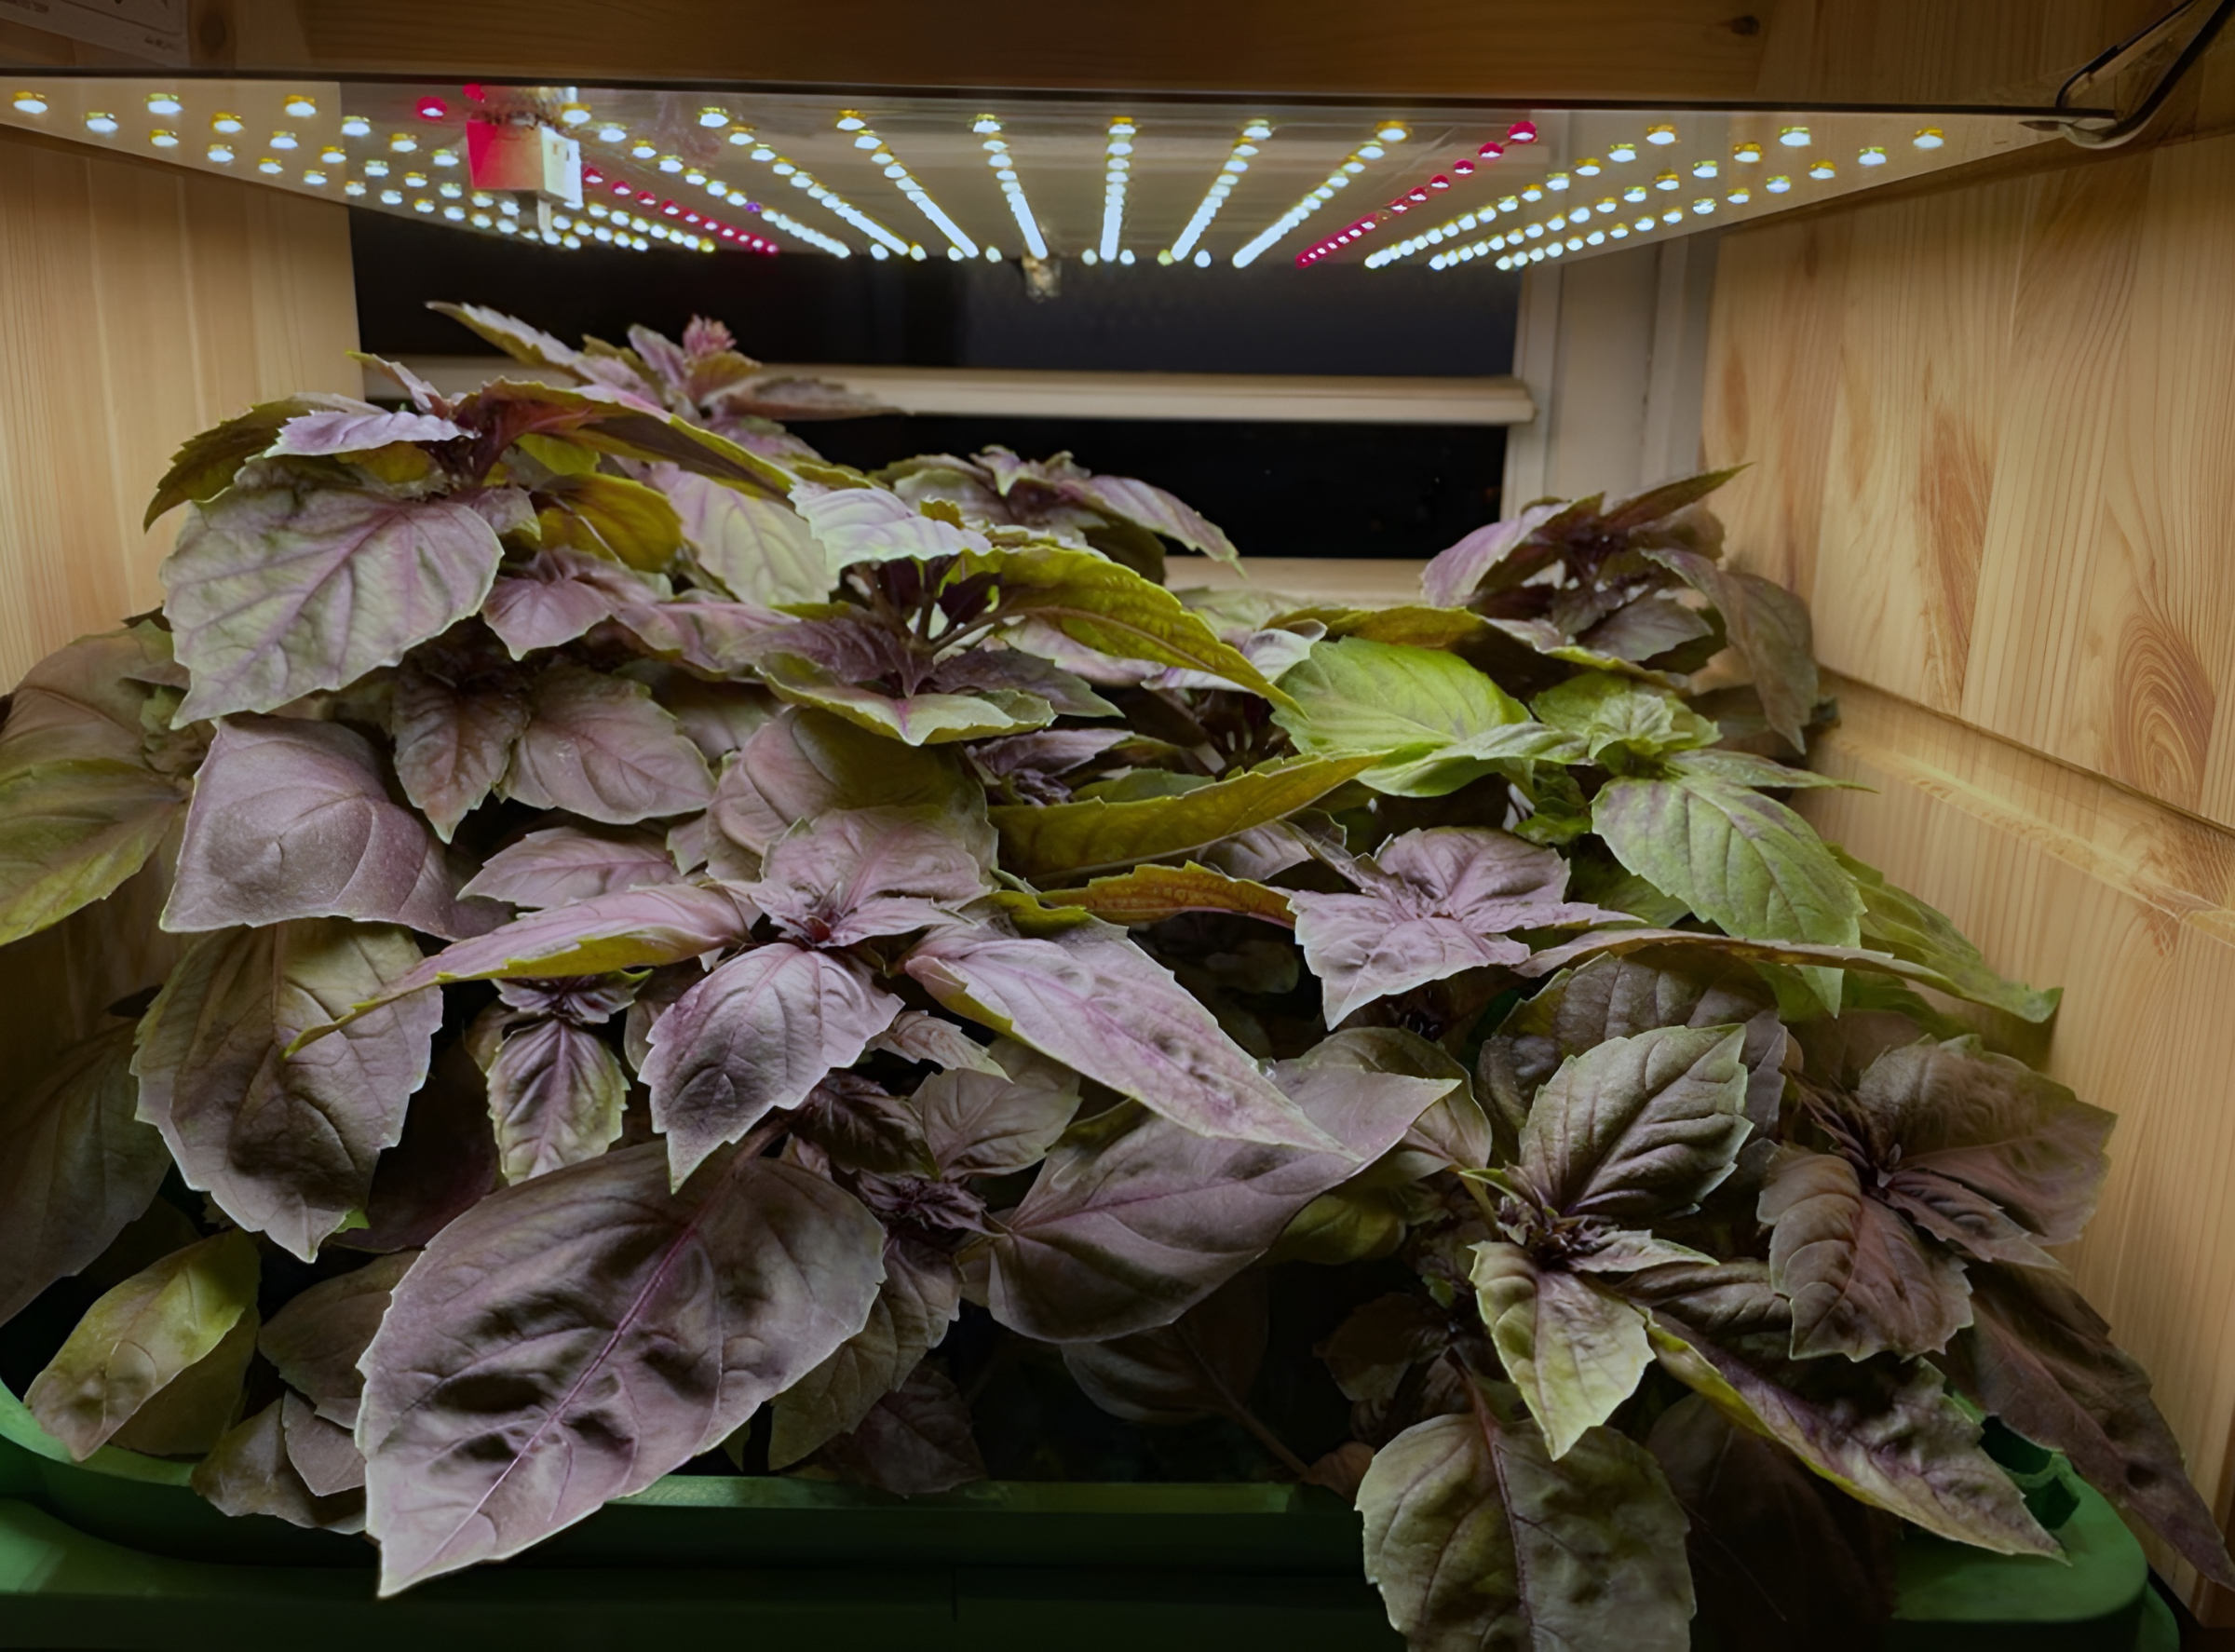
[1993,437]
[137,305]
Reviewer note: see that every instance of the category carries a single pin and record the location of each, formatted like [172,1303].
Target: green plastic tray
[117,1555]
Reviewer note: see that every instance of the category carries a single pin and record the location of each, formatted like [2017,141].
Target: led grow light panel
[1153,183]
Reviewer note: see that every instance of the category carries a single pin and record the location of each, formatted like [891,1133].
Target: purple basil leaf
[1148,507]
[1956,1215]
[1641,1126]
[291,819]
[81,805]
[1451,576]
[250,1472]
[274,594]
[1861,1279]
[1087,995]
[921,1296]
[315,1341]
[2005,1131]
[992,668]
[284,1144]
[601,747]
[1882,1429]
[755,1036]
[78,1166]
[1477,1538]
[869,525]
[139,1338]
[1202,1364]
[556,1094]
[981,1124]
[560,594]
[1766,624]
[760,549]
[916,1441]
[1435,903]
[851,874]
[571,1339]
[444,1165]
[918,1036]
[859,1126]
[805,764]
[628,930]
[356,432]
[322,1452]
[1613,997]
[453,721]
[561,864]
[1126,1231]
[1780,1557]
[2040,1359]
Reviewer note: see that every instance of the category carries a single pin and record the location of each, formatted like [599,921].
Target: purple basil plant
[677,954]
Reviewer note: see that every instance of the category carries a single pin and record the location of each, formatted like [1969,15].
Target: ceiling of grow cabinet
[1098,178]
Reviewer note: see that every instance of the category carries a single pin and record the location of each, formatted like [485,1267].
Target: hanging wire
[2128,126]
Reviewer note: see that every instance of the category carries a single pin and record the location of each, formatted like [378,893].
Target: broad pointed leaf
[753,1037]
[454,727]
[274,594]
[1151,894]
[1862,1280]
[322,1452]
[1084,836]
[1453,573]
[1621,721]
[1112,610]
[1769,626]
[315,1341]
[561,864]
[760,549]
[284,1144]
[871,524]
[359,430]
[1090,998]
[140,1336]
[1897,922]
[81,805]
[802,764]
[1996,1126]
[1433,903]
[556,1092]
[1204,1363]
[78,1166]
[1639,1127]
[1883,1430]
[191,1412]
[602,747]
[1477,1538]
[291,819]
[1737,858]
[621,518]
[1780,1558]
[981,1124]
[250,1472]
[1135,1222]
[916,1441]
[921,1296]
[2040,1359]
[206,464]
[572,1338]
[627,929]
[1575,1351]
[918,1036]
[1358,696]
[928,718]
[558,596]
[852,874]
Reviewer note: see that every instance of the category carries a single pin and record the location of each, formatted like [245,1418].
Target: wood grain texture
[1991,426]
[137,305]
[1540,50]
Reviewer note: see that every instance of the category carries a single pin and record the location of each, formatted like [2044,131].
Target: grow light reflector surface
[1170,184]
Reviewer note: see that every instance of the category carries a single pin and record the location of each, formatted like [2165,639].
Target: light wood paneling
[1991,426]
[137,305]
